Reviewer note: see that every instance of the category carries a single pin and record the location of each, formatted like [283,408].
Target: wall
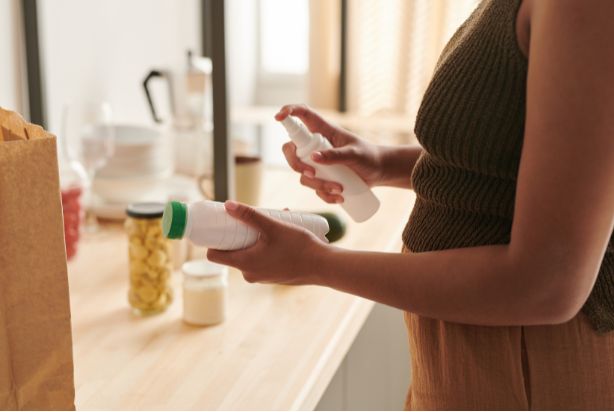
[11,81]
[102,50]
[241,35]
[241,64]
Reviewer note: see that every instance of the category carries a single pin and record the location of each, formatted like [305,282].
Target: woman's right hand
[362,157]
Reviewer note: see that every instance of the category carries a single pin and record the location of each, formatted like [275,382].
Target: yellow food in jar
[150,261]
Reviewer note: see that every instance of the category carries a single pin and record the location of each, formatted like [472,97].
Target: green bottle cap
[174,220]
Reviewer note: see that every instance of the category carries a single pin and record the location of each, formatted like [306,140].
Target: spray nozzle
[297,132]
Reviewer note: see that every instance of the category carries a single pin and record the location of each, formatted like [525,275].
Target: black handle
[152,74]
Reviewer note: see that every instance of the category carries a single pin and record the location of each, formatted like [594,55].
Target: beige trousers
[568,366]
[461,367]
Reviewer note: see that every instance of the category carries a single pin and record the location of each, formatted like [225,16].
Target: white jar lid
[202,268]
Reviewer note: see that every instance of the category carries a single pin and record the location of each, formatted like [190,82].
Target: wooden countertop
[278,348]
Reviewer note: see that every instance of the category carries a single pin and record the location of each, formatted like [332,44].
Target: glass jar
[205,292]
[72,212]
[72,181]
[150,259]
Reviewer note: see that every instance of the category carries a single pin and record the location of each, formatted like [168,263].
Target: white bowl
[124,193]
[129,189]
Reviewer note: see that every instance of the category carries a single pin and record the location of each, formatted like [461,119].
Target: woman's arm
[563,215]
[564,211]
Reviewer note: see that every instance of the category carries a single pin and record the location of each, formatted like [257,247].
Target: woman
[508,272]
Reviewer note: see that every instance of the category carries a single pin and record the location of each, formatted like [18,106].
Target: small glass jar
[73,214]
[73,179]
[205,292]
[150,259]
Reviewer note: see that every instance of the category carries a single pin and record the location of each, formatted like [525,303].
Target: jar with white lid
[205,292]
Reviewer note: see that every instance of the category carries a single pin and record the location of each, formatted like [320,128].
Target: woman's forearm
[397,163]
[480,285]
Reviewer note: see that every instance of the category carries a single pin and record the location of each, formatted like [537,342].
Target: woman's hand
[359,155]
[284,253]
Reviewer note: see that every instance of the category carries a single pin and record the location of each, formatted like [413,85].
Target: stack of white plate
[140,169]
[139,152]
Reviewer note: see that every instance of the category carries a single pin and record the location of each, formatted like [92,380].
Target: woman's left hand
[284,253]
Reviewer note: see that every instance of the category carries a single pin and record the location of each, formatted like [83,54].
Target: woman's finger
[252,217]
[283,112]
[311,119]
[289,150]
[250,277]
[329,198]
[343,155]
[227,257]
[321,185]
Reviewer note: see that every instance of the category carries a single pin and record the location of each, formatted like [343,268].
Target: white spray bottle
[359,201]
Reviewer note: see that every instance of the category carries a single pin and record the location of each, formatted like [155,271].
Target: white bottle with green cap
[206,223]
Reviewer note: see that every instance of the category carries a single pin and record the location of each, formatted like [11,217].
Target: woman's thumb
[340,155]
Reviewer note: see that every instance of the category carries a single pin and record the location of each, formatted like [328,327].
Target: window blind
[393,46]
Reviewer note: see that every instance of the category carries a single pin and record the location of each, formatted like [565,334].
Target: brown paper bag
[36,367]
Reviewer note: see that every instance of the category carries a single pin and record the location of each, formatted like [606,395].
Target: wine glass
[90,135]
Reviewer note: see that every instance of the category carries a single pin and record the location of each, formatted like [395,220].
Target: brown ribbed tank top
[471,126]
